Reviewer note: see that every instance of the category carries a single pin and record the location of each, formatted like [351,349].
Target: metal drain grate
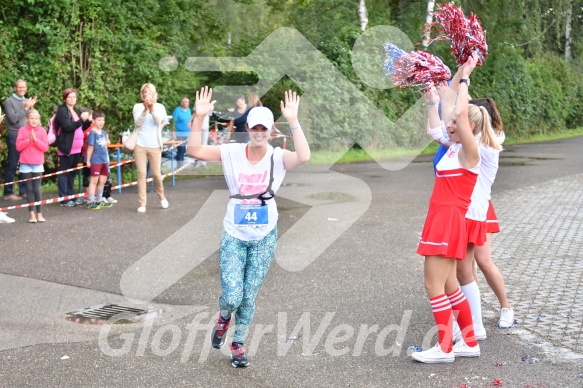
[100,314]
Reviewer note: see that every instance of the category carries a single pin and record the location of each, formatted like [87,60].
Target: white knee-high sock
[472,293]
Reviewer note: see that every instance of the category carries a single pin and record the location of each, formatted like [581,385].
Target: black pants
[66,181]
[33,193]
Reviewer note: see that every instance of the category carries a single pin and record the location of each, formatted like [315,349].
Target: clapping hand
[203,104]
[29,103]
[289,109]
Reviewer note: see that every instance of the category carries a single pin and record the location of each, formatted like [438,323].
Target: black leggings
[32,189]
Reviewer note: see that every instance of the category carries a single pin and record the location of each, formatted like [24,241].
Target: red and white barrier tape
[69,197]
[122,162]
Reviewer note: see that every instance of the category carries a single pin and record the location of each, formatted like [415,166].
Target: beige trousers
[142,156]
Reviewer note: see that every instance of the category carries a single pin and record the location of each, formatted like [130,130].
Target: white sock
[472,293]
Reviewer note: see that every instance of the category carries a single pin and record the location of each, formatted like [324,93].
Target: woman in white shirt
[253,171]
[149,117]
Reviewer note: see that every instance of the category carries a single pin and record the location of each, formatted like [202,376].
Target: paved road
[340,307]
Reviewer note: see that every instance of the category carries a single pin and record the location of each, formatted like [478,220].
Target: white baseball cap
[260,116]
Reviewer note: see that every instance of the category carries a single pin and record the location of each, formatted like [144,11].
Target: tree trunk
[428,19]
[362,14]
[568,38]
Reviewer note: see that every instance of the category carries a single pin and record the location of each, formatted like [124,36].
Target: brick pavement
[540,254]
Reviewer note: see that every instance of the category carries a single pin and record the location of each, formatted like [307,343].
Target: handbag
[130,142]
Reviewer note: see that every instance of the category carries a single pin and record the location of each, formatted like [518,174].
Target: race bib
[250,215]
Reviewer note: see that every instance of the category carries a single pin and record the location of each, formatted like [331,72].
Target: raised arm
[469,155]
[301,155]
[435,124]
[203,105]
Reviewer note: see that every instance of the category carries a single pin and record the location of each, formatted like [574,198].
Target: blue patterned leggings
[244,265]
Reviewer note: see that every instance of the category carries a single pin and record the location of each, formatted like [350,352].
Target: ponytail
[481,119]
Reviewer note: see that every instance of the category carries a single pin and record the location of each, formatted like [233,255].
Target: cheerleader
[483,254]
[444,236]
[481,216]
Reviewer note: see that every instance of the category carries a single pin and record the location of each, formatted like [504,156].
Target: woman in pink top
[32,144]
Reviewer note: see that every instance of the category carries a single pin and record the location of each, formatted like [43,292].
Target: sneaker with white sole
[142,209]
[4,219]
[461,349]
[506,318]
[111,200]
[434,355]
[164,203]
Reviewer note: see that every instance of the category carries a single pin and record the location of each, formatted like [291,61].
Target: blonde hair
[481,119]
[149,86]
[253,99]
[32,111]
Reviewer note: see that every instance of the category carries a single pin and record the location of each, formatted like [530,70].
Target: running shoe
[238,355]
[105,204]
[219,332]
[94,206]
[434,355]
[79,201]
[68,203]
[461,349]
[506,318]
[111,200]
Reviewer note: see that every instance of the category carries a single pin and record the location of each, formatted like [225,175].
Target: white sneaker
[164,203]
[434,355]
[480,333]
[462,350]
[142,209]
[4,219]
[506,318]
[111,200]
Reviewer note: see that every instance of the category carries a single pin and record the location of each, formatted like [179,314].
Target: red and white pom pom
[466,34]
[419,69]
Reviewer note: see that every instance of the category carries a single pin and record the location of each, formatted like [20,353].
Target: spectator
[15,107]
[181,116]
[97,162]
[149,117]
[238,121]
[69,126]
[32,143]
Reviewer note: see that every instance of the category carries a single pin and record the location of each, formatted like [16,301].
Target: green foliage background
[107,49]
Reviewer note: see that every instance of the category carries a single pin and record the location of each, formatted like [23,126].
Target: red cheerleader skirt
[476,232]
[492,225]
[444,233]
